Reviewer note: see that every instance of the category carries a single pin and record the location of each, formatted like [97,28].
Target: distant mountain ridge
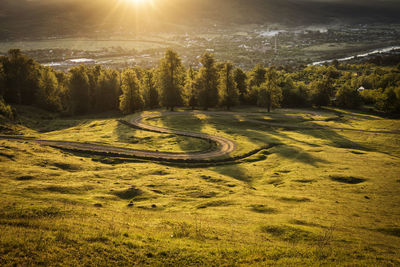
[34,18]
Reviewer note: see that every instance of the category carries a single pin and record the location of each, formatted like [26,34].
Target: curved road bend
[225,146]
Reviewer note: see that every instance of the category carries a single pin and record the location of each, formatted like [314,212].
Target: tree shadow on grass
[191,123]
[334,139]
[290,152]
[252,131]
[126,134]
[234,171]
[44,122]
[332,136]
[269,134]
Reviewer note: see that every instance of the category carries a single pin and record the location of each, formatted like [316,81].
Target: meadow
[316,196]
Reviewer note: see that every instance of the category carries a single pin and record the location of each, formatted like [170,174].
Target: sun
[138,2]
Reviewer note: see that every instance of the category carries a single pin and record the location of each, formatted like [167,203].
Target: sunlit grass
[318,197]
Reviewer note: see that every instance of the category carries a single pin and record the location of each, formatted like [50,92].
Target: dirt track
[225,146]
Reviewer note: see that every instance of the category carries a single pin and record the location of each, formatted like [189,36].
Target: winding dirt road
[224,146]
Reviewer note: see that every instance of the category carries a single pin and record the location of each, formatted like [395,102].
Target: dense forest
[93,89]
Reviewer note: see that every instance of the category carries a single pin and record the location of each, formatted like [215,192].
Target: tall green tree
[228,92]
[78,88]
[191,88]
[294,94]
[269,93]
[93,74]
[2,79]
[170,80]
[348,97]
[256,79]
[48,95]
[389,100]
[63,90]
[321,91]
[131,99]
[107,91]
[21,78]
[149,89]
[207,81]
[240,78]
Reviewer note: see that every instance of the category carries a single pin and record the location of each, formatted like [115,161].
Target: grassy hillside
[317,197]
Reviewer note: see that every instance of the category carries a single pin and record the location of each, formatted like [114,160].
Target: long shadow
[50,122]
[270,135]
[292,152]
[334,139]
[188,122]
[121,129]
[364,114]
[196,125]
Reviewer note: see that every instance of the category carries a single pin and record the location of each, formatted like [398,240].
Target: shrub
[5,109]
[347,97]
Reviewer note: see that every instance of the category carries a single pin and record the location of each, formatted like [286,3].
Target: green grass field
[318,197]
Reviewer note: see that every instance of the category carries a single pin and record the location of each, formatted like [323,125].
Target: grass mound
[393,231]
[30,213]
[68,189]
[294,199]
[305,181]
[25,178]
[216,203]
[348,179]
[289,233]
[263,209]
[129,193]
[65,166]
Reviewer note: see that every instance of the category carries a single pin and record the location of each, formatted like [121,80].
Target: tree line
[95,89]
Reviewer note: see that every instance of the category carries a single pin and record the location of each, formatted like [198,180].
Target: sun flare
[138,2]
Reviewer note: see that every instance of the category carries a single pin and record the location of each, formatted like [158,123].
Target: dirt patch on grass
[304,181]
[347,179]
[25,178]
[10,157]
[160,172]
[211,180]
[276,181]
[69,189]
[66,166]
[393,231]
[262,209]
[129,193]
[216,203]
[30,213]
[288,233]
[294,199]
[357,152]
[201,194]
